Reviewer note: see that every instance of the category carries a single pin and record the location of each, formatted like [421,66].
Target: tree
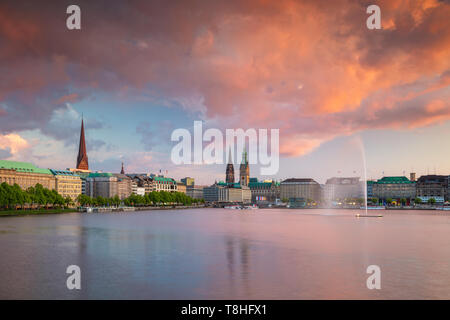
[389,201]
[417,200]
[68,201]
[403,201]
[431,201]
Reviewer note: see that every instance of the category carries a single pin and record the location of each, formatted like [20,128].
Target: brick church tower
[229,176]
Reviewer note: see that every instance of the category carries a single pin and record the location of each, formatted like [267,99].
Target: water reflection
[212,253]
[240,247]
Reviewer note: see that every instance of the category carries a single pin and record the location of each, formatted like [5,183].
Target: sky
[348,101]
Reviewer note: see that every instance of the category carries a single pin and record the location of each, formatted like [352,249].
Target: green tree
[431,201]
[417,200]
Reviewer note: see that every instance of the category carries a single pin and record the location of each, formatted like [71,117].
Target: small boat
[358,215]
[373,208]
[233,207]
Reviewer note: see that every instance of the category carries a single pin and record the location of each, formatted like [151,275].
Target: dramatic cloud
[12,144]
[310,68]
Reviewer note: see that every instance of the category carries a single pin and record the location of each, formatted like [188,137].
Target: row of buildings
[335,191]
[80,180]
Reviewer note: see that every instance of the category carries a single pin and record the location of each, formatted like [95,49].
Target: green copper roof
[22,167]
[390,180]
[100,174]
[236,185]
[163,179]
[254,183]
[63,173]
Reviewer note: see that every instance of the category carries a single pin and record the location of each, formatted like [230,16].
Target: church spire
[244,170]
[229,174]
[244,156]
[230,158]
[82,159]
[122,171]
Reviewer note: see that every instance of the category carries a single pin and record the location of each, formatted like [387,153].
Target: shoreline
[34,212]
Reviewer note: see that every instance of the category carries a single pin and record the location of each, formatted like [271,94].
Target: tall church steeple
[82,159]
[122,171]
[244,170]
[229,176]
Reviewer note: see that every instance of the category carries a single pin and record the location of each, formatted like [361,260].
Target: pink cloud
[310,68]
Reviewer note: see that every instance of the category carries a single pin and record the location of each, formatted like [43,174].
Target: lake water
[226,254]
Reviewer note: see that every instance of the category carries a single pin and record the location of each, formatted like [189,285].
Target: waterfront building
[264,191]
[223,192]
[188,181]
[395,188]
[101,184]
[339,188]
[229,173]
[432,186]
[165,184]
[370,188]
[25,174]
[124,185]
[139,191]
[300,189]
[181,187]
[82,159]
[195,192]
[142,181]
[244,170]
[67,183]
[448,188]
[83,174]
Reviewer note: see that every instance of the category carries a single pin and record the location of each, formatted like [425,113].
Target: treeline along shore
[39,200]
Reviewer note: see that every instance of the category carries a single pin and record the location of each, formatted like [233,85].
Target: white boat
[443,208]
[233,207]
[373,208]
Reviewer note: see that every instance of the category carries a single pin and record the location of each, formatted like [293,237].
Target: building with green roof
[68,183]
[264,191]
[25,174]
[396,188]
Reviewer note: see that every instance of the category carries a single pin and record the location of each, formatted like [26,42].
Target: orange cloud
[14,142]
[310,68]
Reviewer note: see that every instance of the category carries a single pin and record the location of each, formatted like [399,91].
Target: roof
[433,179]
[26,167]
[100,174]
[299,180]
[343,180]
[235,185]
[163,179]
[121,176]
[63,173]
[393,180]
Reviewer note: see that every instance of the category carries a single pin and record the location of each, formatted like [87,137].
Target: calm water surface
[226,254]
